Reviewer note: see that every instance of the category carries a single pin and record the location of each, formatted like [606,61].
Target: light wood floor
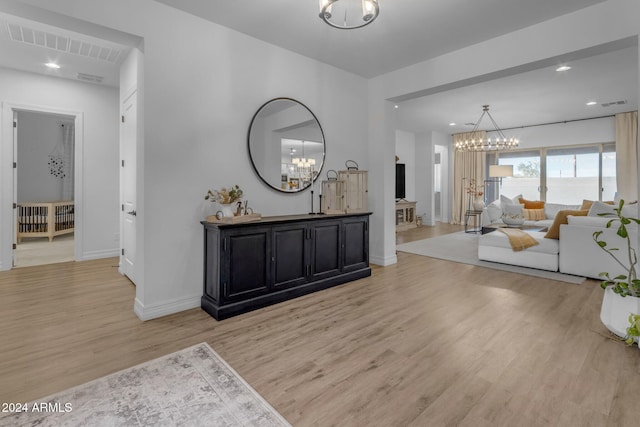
[424,342]
[38,251]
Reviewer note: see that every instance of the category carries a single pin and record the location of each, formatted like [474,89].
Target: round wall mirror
[286,145]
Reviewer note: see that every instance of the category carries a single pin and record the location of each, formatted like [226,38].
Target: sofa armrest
[581,256]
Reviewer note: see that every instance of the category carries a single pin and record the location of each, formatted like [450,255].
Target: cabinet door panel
[248,271]
[326,249]
[289,256]
[356,243]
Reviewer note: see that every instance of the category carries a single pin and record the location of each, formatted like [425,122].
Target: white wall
[202,85]
[99,107]
[39,135]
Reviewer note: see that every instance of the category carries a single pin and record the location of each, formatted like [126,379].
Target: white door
[15,187]
[128,130]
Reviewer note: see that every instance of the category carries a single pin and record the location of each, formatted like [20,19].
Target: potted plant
[475,192]
[225,197]
[620,311]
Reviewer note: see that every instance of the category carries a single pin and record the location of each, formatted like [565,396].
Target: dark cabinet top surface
[269,220]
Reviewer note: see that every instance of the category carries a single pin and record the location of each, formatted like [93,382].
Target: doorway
[44,187]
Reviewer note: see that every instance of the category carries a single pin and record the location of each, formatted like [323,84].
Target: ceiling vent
[611,104]
[62,43]
[90,78]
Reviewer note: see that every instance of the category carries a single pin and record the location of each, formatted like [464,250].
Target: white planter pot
[615,311]
[227,210]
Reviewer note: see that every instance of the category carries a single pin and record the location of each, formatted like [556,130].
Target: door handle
[132,213]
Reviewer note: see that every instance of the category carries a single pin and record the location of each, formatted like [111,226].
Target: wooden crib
[48,219]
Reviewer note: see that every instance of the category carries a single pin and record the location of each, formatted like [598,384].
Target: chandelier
[474,142]
[302,162]
[347,14]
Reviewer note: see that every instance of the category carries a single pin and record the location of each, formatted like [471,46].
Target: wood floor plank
[424,342]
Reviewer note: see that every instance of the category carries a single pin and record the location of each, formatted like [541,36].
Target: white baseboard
[165,308]
[107,253]
[383,261]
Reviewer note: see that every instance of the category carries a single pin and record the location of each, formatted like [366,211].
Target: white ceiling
[406,32]
[412,31]
[27,45]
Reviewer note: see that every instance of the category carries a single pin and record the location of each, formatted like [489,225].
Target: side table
[473,221]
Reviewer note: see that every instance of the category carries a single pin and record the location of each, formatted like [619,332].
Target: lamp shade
[499,171]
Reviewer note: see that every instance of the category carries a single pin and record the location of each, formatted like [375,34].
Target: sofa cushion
[561,218]
[588,221]
[532,204]
[500,240]
[551,209]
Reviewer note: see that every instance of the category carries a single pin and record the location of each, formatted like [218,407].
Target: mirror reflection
[286,145]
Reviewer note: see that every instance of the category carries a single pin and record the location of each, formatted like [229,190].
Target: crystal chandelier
[474,142]
[348,14]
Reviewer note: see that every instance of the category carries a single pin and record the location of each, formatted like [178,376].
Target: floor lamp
[496,173]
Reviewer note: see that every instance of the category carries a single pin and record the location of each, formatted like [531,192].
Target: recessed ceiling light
[563,68]
[52,65]
[396,106]
[592,103]
[452,124]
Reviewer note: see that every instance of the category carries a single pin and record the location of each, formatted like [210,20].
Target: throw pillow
[513,214]
[586,204]
[561,218]
[494,210]
[532,204]
[533,214]
[504,200]
[597,208]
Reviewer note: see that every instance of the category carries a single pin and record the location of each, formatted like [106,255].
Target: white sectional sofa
[575,252]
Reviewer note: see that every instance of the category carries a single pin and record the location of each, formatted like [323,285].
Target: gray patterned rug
[192,387]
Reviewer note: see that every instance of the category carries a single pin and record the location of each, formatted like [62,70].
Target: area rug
[192,387]
[463,247]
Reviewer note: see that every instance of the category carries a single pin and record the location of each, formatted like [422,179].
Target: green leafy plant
[623,284]
[633,331]
[224,195]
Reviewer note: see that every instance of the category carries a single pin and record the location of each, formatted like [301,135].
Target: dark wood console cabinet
[252,265]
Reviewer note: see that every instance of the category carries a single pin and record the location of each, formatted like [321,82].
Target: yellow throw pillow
[533,214]
[532,204]
[561,218]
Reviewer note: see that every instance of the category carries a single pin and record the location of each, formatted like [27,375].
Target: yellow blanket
[518,239]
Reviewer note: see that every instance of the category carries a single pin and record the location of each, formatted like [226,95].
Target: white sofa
[575,252]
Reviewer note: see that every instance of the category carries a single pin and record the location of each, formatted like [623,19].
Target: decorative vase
[478,203]
[227,210]
[615,311]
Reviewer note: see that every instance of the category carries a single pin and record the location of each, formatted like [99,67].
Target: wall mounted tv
[400,181]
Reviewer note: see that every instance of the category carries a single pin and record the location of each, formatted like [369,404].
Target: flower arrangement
[474,188]
[225,196]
